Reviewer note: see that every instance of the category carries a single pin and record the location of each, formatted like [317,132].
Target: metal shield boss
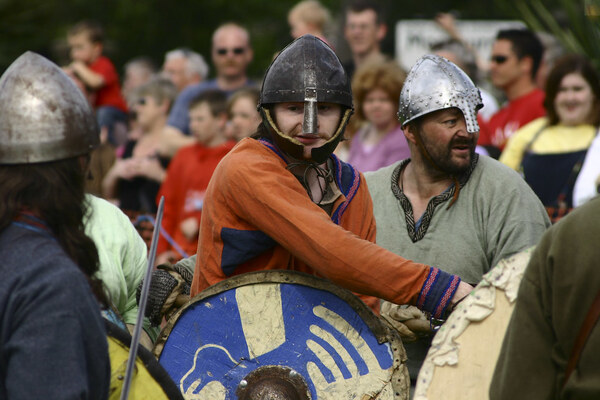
[43,115]
[435,83]
[281,335]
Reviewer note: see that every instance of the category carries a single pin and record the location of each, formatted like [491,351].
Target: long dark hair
[53,191]
[570,64]
[262,131]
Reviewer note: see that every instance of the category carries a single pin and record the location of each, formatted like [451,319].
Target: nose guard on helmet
[306,71]
[309,125]
[435,83]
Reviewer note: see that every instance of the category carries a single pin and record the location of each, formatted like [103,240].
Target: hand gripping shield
[43,115]
[435,83]
[306,71]
[281,335]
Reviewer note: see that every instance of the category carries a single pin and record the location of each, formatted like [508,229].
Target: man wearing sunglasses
[514,62]
[231,54]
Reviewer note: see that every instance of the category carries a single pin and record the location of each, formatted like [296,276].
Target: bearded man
[446,205]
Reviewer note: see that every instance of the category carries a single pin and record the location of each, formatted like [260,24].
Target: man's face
[445,137]
[505,67]
[135,76]
[362,32]
[231,53]
[175,69]
[289,118]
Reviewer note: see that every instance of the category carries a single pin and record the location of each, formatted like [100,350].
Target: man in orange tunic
[282,200]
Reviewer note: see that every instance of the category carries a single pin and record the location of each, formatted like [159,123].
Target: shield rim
[381,329]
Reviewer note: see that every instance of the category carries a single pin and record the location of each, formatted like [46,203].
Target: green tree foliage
[152,27]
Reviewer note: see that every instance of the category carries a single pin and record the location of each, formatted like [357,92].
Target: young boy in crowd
[189,173]
[98,75]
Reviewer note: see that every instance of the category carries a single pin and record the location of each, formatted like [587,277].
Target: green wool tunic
[496,215]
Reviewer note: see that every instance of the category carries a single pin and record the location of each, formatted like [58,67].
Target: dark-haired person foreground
[52,337]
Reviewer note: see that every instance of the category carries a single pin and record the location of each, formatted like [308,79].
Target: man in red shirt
[515,59]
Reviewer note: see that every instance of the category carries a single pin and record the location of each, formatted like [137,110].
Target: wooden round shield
[463,355]
[284,334]
[150,381]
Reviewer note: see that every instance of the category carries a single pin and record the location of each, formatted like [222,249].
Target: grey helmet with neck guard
[306,71]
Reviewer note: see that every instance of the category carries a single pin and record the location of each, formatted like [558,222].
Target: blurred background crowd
[175,86]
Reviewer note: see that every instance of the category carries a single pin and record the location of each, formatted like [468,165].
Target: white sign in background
[414,37]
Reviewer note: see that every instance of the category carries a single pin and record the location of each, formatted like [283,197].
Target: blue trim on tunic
[438,290]
[348,180]
[30,222]
[240,246]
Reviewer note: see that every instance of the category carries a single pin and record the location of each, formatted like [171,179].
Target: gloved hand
[169,286]
[410,322]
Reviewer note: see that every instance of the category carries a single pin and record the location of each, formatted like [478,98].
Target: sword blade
[135,339]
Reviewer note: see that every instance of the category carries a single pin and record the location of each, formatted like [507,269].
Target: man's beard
[442,156]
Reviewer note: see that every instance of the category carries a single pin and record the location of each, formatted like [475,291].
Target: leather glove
[410,322]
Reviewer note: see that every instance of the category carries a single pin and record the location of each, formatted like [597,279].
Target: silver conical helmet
[43,115]
[435,83]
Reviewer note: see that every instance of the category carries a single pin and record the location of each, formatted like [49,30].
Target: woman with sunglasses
[550,151]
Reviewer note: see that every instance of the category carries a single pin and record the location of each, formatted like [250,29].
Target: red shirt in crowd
[110,93]
[510,118]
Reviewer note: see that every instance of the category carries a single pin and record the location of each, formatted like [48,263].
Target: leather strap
[586,328]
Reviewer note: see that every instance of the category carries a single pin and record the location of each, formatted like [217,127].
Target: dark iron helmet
[306,71]
[43,115]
